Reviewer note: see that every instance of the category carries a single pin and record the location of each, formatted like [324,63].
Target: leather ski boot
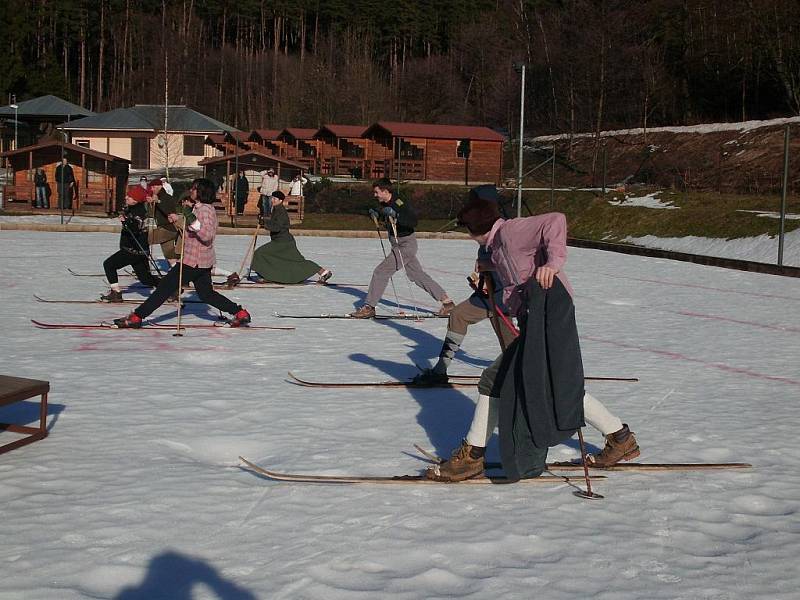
[232,281]
[365,312]
[462,464]
[620,446]
[112,296]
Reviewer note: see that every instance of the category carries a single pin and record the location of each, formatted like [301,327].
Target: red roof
[241,158]
[299,133]
[265,134]
[447,132]
[350,131]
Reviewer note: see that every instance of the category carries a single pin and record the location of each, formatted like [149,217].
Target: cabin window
[193,145]
[83,143]
[463,149]
[140,153]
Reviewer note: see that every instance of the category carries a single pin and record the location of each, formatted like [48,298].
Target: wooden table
[16,389]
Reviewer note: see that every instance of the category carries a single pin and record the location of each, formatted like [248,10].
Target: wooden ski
[401,479]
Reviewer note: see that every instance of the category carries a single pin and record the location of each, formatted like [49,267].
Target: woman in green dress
[279,260]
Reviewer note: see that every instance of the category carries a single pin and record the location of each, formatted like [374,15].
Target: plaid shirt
[199,249]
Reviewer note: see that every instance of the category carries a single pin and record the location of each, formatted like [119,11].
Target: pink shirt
[199,246]
[520,246]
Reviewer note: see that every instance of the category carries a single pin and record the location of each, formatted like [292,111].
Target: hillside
[740,158]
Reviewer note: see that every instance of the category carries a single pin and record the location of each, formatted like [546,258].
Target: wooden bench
[16,389]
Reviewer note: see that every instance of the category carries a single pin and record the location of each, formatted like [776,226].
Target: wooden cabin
[421,151]
[100,178]
[298,144]
[224,169]
[36,120]
[227,143]
[343,150]
[137,134]
[265,138]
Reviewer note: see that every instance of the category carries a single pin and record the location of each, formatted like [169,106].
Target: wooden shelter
[298,144]
[265,138]
[100,178]
[343,150]
[223,171]
[423,151]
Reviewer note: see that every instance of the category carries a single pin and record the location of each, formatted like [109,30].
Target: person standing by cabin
[279,260]
[198,260]
[398,217]
[40,181]
[296,186]
[133,246]
[65,183]
[242,189]
[269,184]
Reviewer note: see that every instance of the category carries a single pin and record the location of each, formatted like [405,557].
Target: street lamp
[520,68]
[16,113]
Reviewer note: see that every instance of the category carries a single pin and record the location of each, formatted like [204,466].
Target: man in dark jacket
[242,189]
[400,220]
[65,183]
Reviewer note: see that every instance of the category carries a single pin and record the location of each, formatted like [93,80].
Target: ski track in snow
[137,493]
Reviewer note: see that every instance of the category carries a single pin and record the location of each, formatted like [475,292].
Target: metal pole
[784,192]
[605,164]
[521,129]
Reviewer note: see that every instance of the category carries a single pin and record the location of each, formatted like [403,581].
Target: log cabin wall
[444,164]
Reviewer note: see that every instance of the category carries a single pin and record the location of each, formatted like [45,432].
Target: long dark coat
[540,382]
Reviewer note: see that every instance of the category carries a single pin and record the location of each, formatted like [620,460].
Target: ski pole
[588,494]
[145,252]
[393,222]
[250,249]
[180,283]
[385,256]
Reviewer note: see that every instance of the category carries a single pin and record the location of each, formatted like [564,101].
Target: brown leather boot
[620,446]
[365,312]
[459,467]
[112,296]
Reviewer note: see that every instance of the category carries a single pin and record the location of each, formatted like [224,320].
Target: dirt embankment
[744,158]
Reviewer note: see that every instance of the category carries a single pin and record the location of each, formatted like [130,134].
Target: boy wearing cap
[401,219]
[132,245]
[534,391]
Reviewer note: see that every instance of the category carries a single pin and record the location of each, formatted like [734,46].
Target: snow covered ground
[137,493]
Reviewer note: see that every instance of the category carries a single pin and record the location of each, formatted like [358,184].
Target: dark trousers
[124,258]
[240,202]
[202,285]
[65,196]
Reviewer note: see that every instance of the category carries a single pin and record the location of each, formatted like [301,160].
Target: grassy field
[593,217]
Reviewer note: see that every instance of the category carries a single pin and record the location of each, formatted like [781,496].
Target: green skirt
[280,261]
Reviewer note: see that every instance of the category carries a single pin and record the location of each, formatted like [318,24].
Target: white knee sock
[484,421]
[598,416]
